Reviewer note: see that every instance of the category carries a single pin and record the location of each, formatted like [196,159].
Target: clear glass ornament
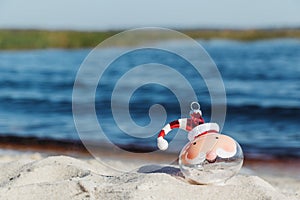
[211,158]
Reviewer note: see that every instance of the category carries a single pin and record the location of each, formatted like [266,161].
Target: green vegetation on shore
[245,35]
[41,39]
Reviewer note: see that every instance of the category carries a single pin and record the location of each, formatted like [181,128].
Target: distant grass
[245,35]
[41,39]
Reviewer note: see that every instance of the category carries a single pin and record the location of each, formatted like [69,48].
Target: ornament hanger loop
[195,106]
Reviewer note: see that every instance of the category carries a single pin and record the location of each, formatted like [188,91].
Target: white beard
[199,159]
[225,154]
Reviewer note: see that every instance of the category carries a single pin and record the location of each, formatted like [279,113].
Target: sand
[38,176]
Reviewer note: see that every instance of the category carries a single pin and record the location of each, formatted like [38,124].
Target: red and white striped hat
[203,129]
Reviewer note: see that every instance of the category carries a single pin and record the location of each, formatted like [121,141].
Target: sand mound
[62,177]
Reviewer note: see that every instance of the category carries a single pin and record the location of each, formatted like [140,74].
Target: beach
[47,174]
[149,100]
[42,155]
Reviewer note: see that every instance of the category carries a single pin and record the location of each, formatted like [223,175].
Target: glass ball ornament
[211,158]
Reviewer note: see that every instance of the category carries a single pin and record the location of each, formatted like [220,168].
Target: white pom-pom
[162,143]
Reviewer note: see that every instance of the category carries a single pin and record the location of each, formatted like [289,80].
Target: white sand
[31,176]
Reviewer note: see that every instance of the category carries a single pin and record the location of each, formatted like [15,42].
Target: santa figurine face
[211,158]
[209,147]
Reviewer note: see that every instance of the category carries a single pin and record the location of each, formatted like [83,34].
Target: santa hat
[203,129]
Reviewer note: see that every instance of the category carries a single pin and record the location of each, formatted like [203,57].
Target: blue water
[261,78]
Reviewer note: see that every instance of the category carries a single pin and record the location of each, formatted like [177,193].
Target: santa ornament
[209,157]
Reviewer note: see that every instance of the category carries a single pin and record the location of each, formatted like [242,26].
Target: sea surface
[261,78]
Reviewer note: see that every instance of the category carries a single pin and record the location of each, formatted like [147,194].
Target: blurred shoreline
[77,149]
[26,39]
